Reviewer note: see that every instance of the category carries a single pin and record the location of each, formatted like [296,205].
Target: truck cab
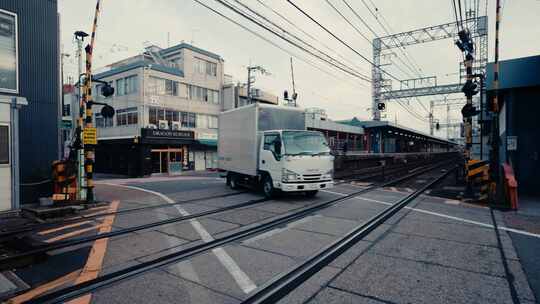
[294,161]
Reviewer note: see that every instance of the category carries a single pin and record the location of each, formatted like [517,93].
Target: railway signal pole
[90,133]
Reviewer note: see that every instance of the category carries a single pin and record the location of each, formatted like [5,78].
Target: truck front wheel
[268,187]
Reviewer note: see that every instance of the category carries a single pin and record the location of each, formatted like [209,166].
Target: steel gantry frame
[381,93]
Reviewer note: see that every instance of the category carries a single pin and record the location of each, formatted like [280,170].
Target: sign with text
[90,136]
[8,53]
[167,134]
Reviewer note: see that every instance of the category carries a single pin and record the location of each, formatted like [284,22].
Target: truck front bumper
[292,187]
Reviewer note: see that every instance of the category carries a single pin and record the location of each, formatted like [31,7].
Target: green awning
[208,142]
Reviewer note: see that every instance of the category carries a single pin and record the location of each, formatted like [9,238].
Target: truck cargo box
[239,132]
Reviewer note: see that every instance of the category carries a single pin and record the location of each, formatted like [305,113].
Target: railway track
[242,233]
[6,262]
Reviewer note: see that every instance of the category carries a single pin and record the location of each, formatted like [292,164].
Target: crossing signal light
[464,43]
[381,106]
[107,90]
[470,88]
[469,110]
[107,111]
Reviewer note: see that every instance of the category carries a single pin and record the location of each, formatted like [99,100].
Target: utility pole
[79,145]
[251,79]
[494,157]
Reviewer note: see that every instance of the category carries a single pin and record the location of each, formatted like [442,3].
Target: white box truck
[268,146]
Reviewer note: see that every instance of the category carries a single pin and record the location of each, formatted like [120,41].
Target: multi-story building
[167,103]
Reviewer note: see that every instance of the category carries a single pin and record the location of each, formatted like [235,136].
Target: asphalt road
[435,251]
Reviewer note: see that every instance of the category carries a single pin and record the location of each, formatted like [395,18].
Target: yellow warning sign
[90,136]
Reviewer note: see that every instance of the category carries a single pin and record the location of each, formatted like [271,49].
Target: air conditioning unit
[176,125]
[163,124]
[152,126]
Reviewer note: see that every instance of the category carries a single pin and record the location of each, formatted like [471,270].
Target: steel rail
[77,290]
[5,261]
[27,228]
[282,285]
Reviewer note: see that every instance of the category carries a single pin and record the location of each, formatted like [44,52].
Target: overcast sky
[125,26]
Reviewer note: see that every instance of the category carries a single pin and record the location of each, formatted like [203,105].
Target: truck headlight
[289,175]
[328,175]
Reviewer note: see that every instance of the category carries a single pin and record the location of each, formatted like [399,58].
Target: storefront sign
[8,53]
[167,134]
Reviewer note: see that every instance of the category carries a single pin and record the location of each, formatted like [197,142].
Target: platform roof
[376,124]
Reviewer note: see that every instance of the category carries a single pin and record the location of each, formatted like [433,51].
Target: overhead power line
[341,40]
[273,43]
[277,26]
[349,71]
[370,42]
[281,16]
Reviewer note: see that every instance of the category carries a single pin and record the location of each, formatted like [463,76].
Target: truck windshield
[304,143]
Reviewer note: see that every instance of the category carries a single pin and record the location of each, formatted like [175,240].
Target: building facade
[518,135]
[29,69]
[167,103]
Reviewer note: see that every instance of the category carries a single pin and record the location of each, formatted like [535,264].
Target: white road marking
[241,278]
[445,216]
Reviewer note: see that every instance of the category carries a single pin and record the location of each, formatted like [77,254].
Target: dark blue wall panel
[39,83]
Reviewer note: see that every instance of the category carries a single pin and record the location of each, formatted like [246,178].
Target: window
[184,119]
[212,122]
[188,120]
[127,116]
[203,94]
[211,69]
[191,120]
[203,67]
[269,141]
[102,122]
[4,145]
[161,86]
[97,93]
[124,86]
[131,84]
[152,116]
[202,121]
[120,87]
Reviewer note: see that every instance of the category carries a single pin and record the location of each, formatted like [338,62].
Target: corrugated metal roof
[140,64]
[516,73]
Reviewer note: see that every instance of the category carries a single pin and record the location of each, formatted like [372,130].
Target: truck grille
[311,177]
